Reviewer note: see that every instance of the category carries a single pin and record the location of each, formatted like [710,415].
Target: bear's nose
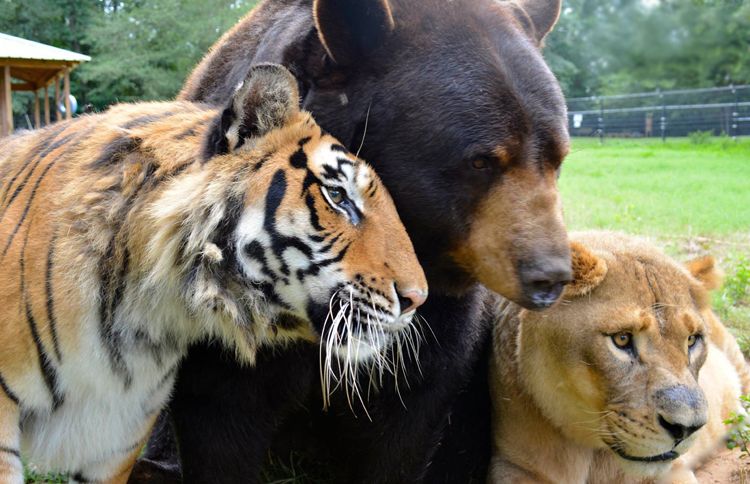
[543,282]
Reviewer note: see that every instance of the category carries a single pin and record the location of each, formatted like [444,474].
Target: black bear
[452,103]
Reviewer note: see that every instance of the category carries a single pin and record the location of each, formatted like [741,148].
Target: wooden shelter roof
[36,64]
[26,65]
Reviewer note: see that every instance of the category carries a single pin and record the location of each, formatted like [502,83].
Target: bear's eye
[692,339]
[623,340]
[480,163]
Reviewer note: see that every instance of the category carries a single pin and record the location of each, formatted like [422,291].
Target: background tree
[617,46]
[140,49]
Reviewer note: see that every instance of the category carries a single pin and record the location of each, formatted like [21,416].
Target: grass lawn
[693,198]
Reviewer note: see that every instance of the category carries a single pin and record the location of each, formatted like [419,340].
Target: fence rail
[720,110]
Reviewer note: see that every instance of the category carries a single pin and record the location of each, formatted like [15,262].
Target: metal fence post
[735,114]
[663,123]
[601,121]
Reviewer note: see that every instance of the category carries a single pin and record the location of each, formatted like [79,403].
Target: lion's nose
[410,299]
[682,410]
[678,431]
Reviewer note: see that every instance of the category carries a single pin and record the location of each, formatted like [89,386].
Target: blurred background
[143,49]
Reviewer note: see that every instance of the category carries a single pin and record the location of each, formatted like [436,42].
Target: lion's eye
[692,339]
[623,340]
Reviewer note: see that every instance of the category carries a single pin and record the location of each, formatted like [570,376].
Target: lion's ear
[704,269]
[588,271]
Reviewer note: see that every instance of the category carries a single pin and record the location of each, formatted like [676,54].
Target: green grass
[655,188]
[692,195]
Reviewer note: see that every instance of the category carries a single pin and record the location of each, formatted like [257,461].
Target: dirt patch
[727,467]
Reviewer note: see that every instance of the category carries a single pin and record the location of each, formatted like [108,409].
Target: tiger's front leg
[11,467]
[117,470]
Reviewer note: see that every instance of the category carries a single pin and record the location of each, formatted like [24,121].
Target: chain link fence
[718,110]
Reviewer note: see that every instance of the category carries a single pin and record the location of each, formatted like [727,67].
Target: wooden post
[37,117]
[58,114]
[46,105]
[66,91]
[6,103]
[3,128]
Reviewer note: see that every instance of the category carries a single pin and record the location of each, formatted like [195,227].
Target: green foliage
[736,290]
[700,137]
[732,302]
[616,46]
[739,432]
[144,50]
[140,49]
[31,476]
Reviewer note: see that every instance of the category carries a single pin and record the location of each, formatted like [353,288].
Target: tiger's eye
[692,339]
[622,339]
[336,194]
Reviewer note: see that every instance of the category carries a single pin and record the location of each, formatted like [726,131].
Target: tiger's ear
[265,100]
[351,29]
[588,271]
[704,269]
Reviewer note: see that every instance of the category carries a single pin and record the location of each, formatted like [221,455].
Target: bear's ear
[351,29]
[588,271]
[265,100]
[543,14]
[704,269]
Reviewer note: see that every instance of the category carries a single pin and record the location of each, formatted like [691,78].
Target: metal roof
[18,48]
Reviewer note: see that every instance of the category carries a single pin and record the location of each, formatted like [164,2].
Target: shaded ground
[728,467]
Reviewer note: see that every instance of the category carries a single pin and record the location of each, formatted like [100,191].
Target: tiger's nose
[410,299]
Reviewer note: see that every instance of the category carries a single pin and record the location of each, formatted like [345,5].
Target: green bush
[739,433]
[700,137]
[736,290]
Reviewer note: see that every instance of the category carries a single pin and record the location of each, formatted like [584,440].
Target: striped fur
[127,236]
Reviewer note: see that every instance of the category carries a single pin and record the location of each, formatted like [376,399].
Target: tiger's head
[287,235]
[615,365]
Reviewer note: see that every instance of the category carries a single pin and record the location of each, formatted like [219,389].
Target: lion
[628,379]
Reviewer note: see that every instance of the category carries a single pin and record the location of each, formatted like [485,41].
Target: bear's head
[452,103]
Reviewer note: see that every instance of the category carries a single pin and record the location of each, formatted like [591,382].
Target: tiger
[128,235]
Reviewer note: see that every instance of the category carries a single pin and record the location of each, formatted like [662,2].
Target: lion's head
[615,364]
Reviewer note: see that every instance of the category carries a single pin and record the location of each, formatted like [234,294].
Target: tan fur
[517,221]
[563,393]
[124,205]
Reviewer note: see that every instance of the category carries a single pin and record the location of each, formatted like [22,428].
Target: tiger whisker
[364,131]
